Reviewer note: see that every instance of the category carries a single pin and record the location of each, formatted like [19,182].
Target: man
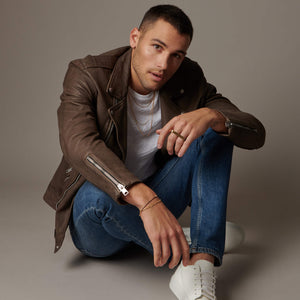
[143,136]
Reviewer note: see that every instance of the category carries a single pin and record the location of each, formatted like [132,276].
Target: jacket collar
[119,80]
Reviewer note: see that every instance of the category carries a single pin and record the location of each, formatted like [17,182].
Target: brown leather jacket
[92,125]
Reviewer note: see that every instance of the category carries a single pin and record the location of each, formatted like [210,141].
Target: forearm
[218,121]
[244,130]
[139,195]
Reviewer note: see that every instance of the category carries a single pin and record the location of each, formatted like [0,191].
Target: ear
[134,37]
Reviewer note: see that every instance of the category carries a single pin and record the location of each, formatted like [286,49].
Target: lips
[156,76]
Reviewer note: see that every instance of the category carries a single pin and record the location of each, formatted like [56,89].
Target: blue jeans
[100,227]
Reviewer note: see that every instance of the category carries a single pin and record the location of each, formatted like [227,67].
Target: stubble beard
[141,75]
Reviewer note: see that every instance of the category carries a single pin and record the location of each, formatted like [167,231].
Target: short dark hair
[171,14]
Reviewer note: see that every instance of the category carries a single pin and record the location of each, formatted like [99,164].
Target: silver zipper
[229,124]
[119,185]
[62,197]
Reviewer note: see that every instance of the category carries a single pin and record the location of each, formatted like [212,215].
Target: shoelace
[204,284]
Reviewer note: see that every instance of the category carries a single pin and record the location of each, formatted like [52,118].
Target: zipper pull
[122,189]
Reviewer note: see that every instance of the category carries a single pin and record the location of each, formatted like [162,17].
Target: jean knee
[90,237]
[90,197]
[214,142]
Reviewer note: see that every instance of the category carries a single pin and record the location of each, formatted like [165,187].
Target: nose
[163,61]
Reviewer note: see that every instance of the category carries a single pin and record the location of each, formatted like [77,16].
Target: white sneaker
[193,282]
[234,237]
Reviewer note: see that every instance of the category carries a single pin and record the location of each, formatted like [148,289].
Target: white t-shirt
[143,119]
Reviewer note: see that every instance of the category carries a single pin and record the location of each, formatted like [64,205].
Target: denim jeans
[100,227]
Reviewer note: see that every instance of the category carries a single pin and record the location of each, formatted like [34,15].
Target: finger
[185,146]
[185,250]
[181,139]
[172,138]
[175,136]
[164,132]
[156,253]
[176,252]
[166,252]
[190,137]
[179,142]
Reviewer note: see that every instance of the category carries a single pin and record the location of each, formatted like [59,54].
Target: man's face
[157,53]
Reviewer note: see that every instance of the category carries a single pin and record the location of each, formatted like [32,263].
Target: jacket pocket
[64,180]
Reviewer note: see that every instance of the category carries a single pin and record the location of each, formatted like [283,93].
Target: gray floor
[266,267]
[248,49]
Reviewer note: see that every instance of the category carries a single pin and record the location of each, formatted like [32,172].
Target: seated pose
[143,136]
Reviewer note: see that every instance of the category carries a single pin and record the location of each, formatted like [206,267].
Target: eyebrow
[165,45]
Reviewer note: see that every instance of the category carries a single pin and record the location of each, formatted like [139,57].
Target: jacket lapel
[117,87]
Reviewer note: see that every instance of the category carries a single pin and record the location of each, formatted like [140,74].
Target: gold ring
[178,134]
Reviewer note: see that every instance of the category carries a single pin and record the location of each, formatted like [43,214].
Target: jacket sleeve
[244,130]
[80,139]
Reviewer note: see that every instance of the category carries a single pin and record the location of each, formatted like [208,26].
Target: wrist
[139,195]
[218,121]
[152,202]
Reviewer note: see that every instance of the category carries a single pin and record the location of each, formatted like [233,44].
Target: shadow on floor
[131,253]
[237,267]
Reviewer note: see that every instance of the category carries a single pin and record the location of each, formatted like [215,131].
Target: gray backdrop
[248,49]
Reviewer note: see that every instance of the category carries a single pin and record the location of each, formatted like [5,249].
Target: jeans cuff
[216,254]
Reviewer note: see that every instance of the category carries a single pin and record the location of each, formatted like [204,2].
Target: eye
[177,56]
[157,47]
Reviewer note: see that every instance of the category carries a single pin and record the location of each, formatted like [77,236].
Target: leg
[200,177]
[101,227]
[209,195]
[208,217]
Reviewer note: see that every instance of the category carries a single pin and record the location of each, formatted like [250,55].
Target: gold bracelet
[157,202]
[148,202]
[146,206]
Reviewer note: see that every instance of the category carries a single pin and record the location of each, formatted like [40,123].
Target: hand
[161,226]
[165,234]
[190,126]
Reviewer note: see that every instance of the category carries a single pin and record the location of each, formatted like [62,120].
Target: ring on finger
[178,134]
